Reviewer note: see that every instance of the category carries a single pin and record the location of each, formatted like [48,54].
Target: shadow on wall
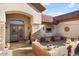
[36,35]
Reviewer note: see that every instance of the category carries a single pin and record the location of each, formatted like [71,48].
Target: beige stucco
[19,8]
[74,28]
[59,29]
[44,33]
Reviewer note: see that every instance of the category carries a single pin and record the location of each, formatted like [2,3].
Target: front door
[16,32]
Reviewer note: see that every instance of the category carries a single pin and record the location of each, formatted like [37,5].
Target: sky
[56,9]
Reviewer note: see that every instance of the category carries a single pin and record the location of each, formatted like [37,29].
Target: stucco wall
[74,29]
[22,7]
[18,8]
[44,33]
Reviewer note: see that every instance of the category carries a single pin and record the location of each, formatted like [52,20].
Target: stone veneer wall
[2,35]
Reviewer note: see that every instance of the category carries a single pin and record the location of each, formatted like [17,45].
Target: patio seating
[52,38]
[77,50]
[42,39]
[39,50]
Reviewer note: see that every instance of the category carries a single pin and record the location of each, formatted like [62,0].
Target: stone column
[2,31]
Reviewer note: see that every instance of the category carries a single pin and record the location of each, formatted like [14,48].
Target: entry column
[2,32]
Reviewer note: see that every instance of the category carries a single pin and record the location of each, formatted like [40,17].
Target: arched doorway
[17,27]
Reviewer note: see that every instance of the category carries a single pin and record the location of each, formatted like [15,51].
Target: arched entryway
[18,27]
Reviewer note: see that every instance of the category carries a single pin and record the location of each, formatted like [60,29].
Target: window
[16,21]
[49,28]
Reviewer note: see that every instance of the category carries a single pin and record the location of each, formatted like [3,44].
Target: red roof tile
[38,6]
[47,19]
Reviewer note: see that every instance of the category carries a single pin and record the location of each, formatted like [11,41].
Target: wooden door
[16,32]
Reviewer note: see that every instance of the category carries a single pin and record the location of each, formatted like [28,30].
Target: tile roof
[38,6]
[67,16]
[61,18]
[47,19]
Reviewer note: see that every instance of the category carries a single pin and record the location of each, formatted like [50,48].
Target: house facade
[66,25]
[49,28]
[18,21]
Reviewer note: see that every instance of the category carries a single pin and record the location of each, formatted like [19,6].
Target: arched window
[16,22]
